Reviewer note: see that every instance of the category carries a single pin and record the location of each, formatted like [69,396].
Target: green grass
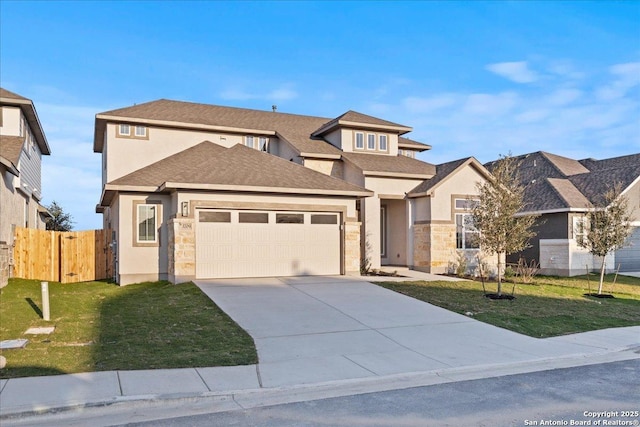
[101,326]
[549,307]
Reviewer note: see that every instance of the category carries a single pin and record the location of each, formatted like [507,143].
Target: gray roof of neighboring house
[390,164]
[559,183]
[10,148]
[237,168]
[29,111]
[297,129]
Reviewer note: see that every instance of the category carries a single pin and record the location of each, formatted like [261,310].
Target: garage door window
[287,218]
[212,216]
[324,219]
[253,218]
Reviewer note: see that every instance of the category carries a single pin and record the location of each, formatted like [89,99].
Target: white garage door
[629,257]
[232,243]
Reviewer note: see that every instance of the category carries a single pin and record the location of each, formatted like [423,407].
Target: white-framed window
[579,229]
[382,142]
[262,143]
[248,141]
[466,233]
[466,204]
[140,131]
[147,221]
[359,140]
[124,129]
[371,141]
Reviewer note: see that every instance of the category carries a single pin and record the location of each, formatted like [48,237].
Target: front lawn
[549,307]
[101,326]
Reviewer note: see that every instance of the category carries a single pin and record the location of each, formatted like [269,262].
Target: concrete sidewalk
[326,337]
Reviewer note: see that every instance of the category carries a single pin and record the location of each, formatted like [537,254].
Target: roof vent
[274,107]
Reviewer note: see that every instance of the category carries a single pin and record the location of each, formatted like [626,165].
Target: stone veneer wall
[352,247]
[182,250]
[434,246]
[4,264]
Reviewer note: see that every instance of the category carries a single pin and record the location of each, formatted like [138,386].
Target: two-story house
[204,191]
[22,145]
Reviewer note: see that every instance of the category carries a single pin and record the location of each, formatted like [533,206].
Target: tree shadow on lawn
[538,311]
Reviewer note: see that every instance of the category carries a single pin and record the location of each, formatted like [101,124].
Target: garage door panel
[266,249]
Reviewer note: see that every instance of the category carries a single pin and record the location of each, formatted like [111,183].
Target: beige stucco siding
[633,197]
[286,151]
[461,184]
[126,155]
[327,167]
[140,263]
[11,117]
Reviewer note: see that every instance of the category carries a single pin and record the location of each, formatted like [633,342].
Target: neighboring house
[22,144]
[562,190]
[204,191]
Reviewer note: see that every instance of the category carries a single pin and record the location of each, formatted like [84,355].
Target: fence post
[45,300]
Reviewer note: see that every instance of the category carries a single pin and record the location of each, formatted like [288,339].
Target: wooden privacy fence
[62,256]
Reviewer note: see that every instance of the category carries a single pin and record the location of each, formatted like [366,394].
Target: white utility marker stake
[45,300]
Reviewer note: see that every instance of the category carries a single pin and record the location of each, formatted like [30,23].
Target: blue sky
[471,78]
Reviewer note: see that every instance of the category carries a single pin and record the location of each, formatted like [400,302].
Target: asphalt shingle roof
[8,94]
[392,164]
[554,182]
[296,129]
[209,163]
[10,147]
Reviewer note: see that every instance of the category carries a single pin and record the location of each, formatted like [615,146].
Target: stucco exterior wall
[327,167]
[633,197]
[11,117]
[287,152]
[129,154]
[141,263]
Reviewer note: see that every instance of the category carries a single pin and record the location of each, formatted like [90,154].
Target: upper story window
[256,142]
[466,204]
[141,131]
[374,142]
[125,130]
[383,142]
[371,141]
[360,140]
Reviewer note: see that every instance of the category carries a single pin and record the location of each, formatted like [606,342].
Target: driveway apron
[318,329]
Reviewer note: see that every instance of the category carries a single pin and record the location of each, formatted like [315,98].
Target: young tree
[608,226]
[59,220]
[502,231]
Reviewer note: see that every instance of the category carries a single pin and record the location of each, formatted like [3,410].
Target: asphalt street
[558,397]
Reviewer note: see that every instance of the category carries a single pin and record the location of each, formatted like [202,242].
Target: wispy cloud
[626,77]
[518,72]
[560,115]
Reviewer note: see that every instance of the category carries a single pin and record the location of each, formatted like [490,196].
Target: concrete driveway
[318,329]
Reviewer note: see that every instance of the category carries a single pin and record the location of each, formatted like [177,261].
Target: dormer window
[248,141]
[407,153]
[383,143]
[371,141]
[359,140]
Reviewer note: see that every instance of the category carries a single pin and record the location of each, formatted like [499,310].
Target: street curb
[261,397]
